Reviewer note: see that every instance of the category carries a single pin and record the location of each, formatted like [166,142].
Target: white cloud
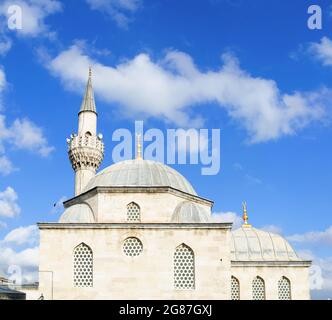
[26,258]
[171,88]
[8,203]
[27,136]
[23,235]
[227,217]
[6,166]
[5,45]
[23,134]
[323,51]
[34,13]
[118,10]
[272,228]
[321,237]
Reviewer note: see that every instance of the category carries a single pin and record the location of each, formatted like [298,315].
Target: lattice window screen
[184,268]
[133,212]
[284,289]
[258,289]
[235,289]
[83,266]
[132,247]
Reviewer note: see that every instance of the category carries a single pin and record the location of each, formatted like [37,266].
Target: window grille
[258,289]
[184,268]
[132,247]
[235,289]
[133,212]
[83,266]
[284,289]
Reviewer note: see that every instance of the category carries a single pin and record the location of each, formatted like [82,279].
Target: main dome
[140,173]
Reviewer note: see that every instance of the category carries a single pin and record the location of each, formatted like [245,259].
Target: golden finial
[245,215]
[139,147]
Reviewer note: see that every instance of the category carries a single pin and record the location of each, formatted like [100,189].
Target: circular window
[132,247]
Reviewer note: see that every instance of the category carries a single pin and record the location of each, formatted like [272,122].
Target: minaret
[86,149]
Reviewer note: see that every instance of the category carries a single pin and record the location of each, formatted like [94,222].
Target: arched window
[258,289]
[133,212]
[235,289]
[184,268]
[83,266]
[284,289]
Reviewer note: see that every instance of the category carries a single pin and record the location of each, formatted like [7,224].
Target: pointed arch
[184,268]
[83,266]
[235,288]
[258,289]
[133,212]
[284,289]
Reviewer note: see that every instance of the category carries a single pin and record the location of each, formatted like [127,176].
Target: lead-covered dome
[251,244]
[78,213]
[189,212]
[140,173]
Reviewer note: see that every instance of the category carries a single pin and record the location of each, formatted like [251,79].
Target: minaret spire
[86,149]
[88,103]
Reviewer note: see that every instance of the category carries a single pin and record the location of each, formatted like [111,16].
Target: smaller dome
[251,244]
[189,212]
[78,213]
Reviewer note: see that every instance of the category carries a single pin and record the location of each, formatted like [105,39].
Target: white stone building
[138,230]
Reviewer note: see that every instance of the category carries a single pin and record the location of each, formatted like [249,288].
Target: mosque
[139,230]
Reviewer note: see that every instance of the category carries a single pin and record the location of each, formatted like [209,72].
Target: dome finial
[245,215]
[139,147]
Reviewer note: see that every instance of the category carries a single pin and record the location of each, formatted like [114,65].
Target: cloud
[8,203]
[272,228]
[320,274]
[119,10]
[25,258]
[23,134]
[6,166]
[226,217]
[172,87]
[320,237]
[5,45]
[26,135]
[23,235]
[34,13]
[322,51]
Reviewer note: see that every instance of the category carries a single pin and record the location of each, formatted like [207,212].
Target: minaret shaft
[86,149]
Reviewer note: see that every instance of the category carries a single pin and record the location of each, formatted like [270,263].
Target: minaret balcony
[86,141]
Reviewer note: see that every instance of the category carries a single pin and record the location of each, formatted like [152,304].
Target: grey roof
[190,212]
[140,173]
[78,213]
[88,103]
[251,244]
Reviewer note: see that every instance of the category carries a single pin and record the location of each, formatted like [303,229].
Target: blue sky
[251,68]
